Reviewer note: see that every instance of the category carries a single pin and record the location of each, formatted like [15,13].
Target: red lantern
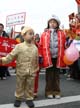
[78,2]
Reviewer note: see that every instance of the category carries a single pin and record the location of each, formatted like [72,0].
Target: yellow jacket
[26,56]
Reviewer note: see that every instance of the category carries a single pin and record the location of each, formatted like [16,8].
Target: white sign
[15,19]
[77,44]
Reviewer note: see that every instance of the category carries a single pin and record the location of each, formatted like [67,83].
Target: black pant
[52,80]
[74,70]
[3,70]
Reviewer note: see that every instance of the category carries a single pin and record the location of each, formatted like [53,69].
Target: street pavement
[70,90]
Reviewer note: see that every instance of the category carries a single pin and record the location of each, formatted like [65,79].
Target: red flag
[78,2]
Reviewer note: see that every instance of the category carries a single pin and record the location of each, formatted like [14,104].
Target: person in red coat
[52,46]
[36,82]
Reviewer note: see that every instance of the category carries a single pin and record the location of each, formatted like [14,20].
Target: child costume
[52,46]
[26,56]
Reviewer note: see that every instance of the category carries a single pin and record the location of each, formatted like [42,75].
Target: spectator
[19,37]
[3,69]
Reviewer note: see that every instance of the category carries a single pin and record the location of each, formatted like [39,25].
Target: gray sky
[38,11]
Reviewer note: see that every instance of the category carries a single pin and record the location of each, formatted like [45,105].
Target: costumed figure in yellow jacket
[26,55]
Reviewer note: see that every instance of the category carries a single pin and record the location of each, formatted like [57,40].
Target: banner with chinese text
[6,45]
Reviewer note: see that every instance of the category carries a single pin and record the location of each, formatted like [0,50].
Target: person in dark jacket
[19,37]
[3,69]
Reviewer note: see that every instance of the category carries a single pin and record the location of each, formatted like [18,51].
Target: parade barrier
[6,45]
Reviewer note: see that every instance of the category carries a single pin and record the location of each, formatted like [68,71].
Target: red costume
[45,49]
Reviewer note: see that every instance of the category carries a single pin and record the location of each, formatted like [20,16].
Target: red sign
[6,45]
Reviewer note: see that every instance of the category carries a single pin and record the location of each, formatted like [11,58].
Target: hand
[0,60]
